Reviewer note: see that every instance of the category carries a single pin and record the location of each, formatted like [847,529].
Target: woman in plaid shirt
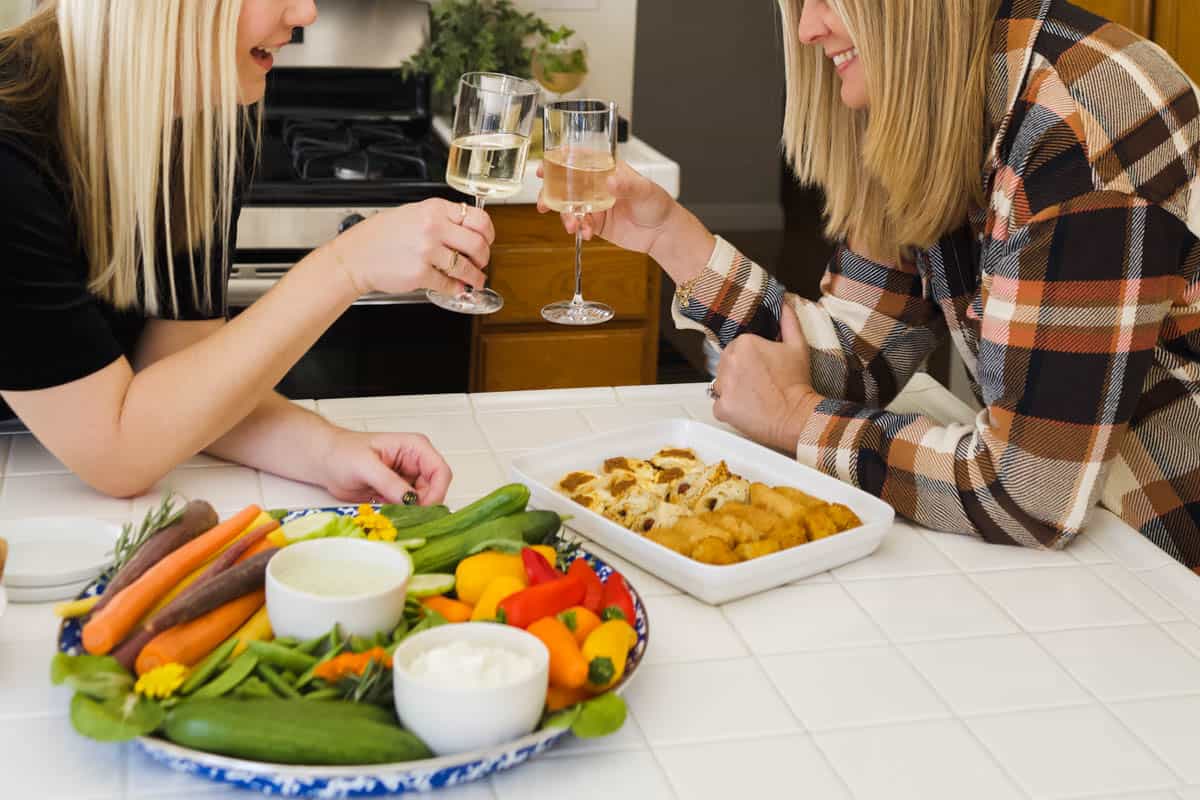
[1019,175]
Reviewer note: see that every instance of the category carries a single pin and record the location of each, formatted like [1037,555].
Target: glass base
[479,301]
[571,313]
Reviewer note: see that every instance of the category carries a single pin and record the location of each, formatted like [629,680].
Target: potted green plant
[560,61]
[470,36]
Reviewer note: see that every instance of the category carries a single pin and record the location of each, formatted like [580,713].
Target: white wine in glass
[580,155]
[493,121]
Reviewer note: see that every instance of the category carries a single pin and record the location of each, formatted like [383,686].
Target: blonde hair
[900,174]
[144,101]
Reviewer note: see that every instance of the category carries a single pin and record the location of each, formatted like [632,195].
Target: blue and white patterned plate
[371,780]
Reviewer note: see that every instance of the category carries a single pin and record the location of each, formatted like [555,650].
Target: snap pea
[286,641]
[275,681]
[234,674]
[282,657]
[289,676]
[252,687]
[323,694]
[308,674]
[208,666]
[359,645]
[311,645]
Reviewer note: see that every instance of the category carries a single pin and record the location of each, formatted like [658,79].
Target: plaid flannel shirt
[1073,297]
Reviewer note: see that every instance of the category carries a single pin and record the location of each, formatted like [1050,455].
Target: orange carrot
[256,548]
[452,610]
[558,698]
[190,642]
[108,627]
[262,519]
[568,668]
[580,621]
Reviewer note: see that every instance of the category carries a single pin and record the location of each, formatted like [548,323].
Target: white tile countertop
[636,153]
[939,667]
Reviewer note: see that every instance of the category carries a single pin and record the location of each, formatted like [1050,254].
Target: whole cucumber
[505,500]
[291,732]
[525,527]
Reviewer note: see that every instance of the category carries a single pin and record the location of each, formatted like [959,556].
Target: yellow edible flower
[161,682]
[377,527]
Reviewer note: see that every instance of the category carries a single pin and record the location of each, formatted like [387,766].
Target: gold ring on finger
[453,268]
[462,215]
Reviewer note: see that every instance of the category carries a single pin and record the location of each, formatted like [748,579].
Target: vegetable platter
[173,646]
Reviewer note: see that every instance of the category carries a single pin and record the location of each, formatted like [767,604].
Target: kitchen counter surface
[639,155]
[939,667]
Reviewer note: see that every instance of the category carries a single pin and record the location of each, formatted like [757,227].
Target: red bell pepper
[593,596]
[618,602]
[537,568]
[544,600]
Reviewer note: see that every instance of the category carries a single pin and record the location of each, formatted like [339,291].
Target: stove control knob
[349,222]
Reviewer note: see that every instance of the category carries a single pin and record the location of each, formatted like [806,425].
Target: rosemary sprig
[130,540]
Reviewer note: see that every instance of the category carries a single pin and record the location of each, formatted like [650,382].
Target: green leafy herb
[164,515]
[99,677]
[117,719]
[474,35]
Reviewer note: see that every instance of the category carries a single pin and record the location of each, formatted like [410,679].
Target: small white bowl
[57,551]
[459,719]
[303,614]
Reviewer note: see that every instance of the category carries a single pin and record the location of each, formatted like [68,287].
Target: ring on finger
[453,268]
[462,214]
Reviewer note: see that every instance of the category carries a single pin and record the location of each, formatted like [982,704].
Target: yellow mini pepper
[605,650]
[474,573]
[496,591]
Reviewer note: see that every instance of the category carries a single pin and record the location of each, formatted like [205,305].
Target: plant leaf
[117,719]
[100,677]
[600,716]
[563,719]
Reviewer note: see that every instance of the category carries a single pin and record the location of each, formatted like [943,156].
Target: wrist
[802,405]
[351,284]
[683,246]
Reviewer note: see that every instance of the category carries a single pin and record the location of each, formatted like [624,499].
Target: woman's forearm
[183,402]
[280,437]
[684,247]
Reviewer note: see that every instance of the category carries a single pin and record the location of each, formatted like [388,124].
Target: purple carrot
[198,517]
[231,584]
[226,559]
[126,652]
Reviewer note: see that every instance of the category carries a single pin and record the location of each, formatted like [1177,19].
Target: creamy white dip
[469,665]
[337,577]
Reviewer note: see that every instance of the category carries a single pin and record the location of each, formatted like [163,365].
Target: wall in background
[13,12]
[608,27]
[709,89]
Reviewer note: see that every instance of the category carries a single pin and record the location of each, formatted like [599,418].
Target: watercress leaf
[600,716]
[101,677]
[117,719]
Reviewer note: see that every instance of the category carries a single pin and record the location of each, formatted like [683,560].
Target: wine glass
[580,154]
[488,148]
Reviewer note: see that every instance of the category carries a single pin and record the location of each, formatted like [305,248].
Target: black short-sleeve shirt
[52,329]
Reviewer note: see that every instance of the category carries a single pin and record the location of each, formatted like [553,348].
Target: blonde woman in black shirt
[123,144]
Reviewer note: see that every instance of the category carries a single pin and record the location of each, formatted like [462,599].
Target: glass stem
[577,300]
[480,201]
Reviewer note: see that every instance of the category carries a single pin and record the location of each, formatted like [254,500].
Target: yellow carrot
[256,629]
[113,623]
[76,608]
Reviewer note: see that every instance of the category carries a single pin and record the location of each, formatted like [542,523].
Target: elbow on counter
[119,477]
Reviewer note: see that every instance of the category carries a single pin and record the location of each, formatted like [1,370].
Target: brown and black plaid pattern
[1074,298]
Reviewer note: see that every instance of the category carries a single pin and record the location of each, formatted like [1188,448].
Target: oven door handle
[246,285]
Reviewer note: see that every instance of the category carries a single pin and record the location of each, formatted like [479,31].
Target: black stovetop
[348,137]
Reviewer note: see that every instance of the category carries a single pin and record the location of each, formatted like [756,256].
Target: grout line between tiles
[1012,779]
[1095,698]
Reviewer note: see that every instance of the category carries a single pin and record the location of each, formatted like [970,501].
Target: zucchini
[444,553]
[293,731]
[505,500]
[402,516]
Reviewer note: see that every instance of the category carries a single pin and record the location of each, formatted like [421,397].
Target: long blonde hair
[143,101]
[901,173]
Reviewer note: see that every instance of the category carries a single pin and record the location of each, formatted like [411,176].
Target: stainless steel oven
[345,135]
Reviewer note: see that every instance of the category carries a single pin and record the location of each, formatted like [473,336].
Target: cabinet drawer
[561,358]
[530,277]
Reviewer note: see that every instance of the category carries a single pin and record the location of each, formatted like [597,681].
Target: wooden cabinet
[1177,29]
[533,263]
[1174,24]
[1137,15]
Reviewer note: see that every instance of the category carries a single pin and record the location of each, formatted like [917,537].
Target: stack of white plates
[55,558]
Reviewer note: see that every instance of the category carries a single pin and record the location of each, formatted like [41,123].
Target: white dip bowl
[358,584]
[453,716]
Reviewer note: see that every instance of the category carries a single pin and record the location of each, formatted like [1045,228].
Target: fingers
[471,244]
[440,281]
[430,473]
[386,484]
[475,219]
[789,326]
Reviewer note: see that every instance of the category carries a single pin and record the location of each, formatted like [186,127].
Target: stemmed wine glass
[580,154]
[488,149]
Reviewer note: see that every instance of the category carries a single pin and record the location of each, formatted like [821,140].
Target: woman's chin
[854,95]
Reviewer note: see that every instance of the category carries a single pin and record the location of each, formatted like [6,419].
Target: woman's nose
[302,13]
[812,28]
